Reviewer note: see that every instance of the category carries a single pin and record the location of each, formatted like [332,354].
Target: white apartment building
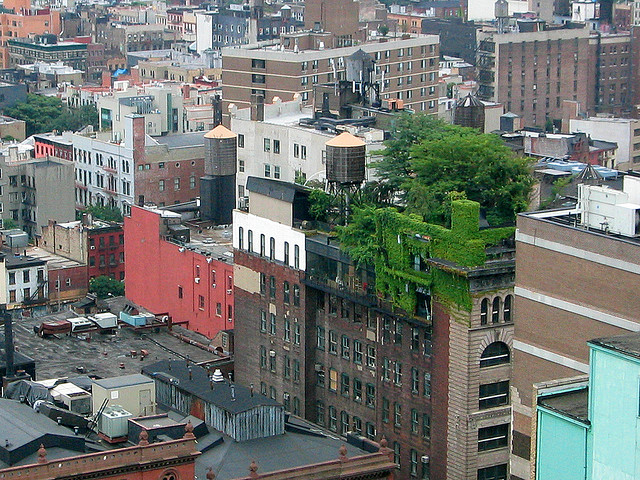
[279,147]
[24,281]
[104,167]
[623,131]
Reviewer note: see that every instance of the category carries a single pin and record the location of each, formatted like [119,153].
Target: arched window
[241,238]
[250,240]
[170,475]
[484,308]
[495,310]
[496,353]
[506,309]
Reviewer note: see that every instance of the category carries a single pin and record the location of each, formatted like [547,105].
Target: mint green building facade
[591,430]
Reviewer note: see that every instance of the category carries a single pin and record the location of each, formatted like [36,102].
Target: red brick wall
[113,269]
[147,181]
[156,270]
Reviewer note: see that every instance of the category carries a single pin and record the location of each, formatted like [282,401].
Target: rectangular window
[333,419]
[296,371]
[267,170]
[397,373]
[320,341]
[494,394]
[12,277]
[333,380]
[357,390]
[490,438]
[386,370]
[371,395]
[426,386]
[276,171]
[357,352]
[415,381]
[287,329]
[344,385]
[263,321]
[496,472]
[385,410]
[276,146]
[345,347]
[26,276]
[263,281]
[371,356]
[272,287]
[240,140]
[267,144]
[176,183]
[333,342]
[296,333]
[397,414]
[286,366]
[201,302]
[272,323]
[426,426]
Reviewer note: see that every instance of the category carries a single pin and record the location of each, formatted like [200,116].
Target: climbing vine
[410,255]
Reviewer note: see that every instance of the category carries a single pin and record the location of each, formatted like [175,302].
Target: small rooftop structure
[345,139]
[229,408]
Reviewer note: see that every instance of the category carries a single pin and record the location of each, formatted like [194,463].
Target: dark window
[333,420]
[286,292]
[496,353]
[320,412]
[344,385]
[180,294]
[272,287]
[371,395]
[426,426]
[495,311]
[263,283]
[263,321]
[357,390]
[493,437]
[506,309]
[496,472]
[494,394]
[296,295]
[484,308]
[385,410]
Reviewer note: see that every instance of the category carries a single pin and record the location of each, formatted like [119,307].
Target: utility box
[105,321]
[75,398]
[137,319]
[135,393]
[114,423]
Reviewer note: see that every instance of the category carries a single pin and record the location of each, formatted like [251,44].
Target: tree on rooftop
[104,286]
[427,160]
[43,114]
[110,214]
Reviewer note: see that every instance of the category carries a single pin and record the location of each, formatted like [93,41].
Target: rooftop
[62,356]
[195,380]
[285,191]
[293,449]
[628,344]
[123,381]
[21,261]
[183,140]
[54,262]
[573,403]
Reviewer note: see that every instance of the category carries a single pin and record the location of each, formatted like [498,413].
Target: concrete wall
[128,397]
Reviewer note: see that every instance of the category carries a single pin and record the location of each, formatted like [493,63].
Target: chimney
[186,91]
[106,79]
[257,107]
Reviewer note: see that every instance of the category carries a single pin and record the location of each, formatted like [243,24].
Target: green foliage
[104,286]
[391,241]
[319,204]
[9,223]
[383,29]
[464,160]
[426,160]
[43,114]
[110,214]
[557,190]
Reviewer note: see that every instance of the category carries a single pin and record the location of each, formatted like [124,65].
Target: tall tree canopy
[43,114]
[428,161]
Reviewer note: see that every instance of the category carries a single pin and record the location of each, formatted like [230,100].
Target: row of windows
[420,340]
[269,360]
[290,405]
[329,418]
[113,261]
[343,384]
[102,241]
[497,306]
[26,276]
[420,422]
[268,324]
[286,290]
[162,184]
[272,247]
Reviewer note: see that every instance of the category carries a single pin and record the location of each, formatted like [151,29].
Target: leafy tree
[319,204]
[359,235]
[478,165]
[383,29]
[408,130]
[43,114]
[110,214]
[104,286]
[9,223]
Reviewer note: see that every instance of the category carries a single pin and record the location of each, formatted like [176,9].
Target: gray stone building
[34,191]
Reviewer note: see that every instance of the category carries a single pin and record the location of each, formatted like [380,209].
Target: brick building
[316,336]
[410,69]
[566,262]
[533,73]
[98,244]
[21,20]
[188,276]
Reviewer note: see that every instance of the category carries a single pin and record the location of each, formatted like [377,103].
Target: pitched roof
[345,139]
[220,132]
